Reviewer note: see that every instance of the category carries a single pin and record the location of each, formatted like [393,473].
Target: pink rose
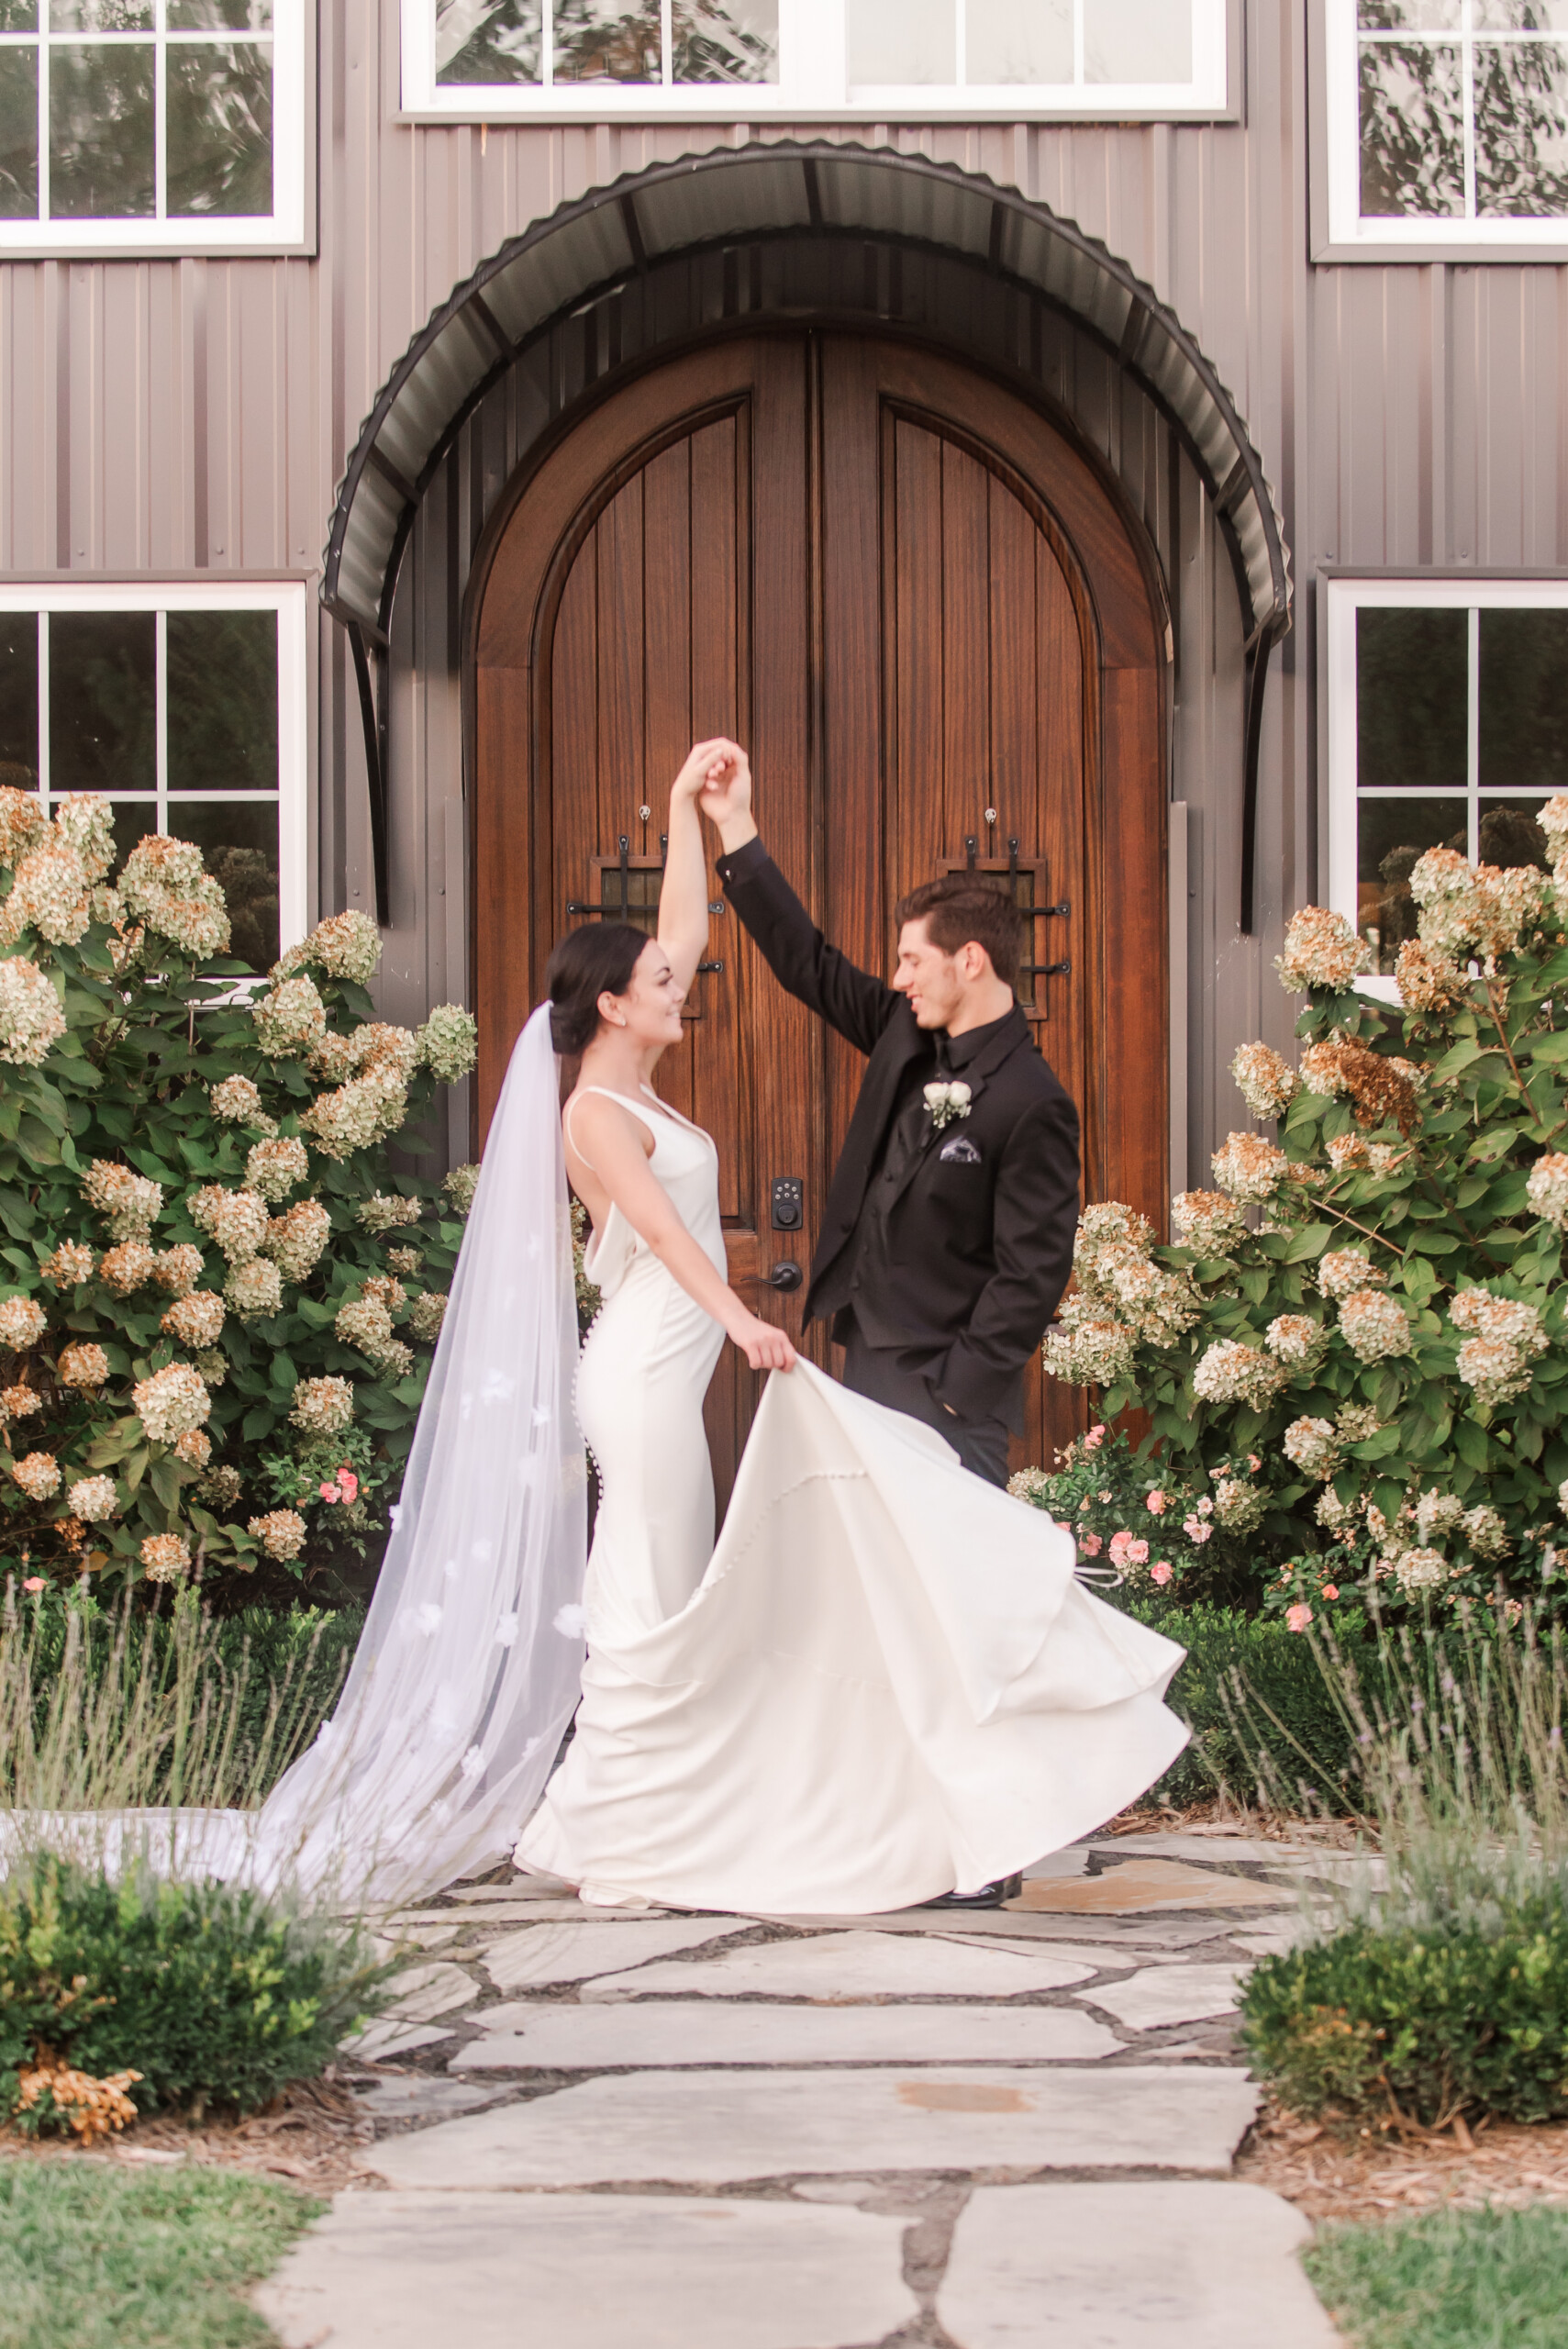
[34,1582]
[1330,1590]
[1094,1440]
[1297,1617]
[1253,1463]
[1196,1529]
[1121,1543]
[1160,1571]
[348,1484]
[1138,1554]
[328,1492]
[1089,1545]
[1156,1504]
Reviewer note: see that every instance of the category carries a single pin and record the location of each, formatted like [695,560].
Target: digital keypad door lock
[789,1202]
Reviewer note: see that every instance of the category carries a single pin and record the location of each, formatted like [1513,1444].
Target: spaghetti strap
[625,1101]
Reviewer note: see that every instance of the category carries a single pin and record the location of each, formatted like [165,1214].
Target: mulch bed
[1343,2171]
[309,2134]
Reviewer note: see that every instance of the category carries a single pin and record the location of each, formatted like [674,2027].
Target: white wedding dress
[886,1681]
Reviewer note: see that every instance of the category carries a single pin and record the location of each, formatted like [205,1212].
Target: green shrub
[216,1306]
[1371,1384]
[1468,2019]
[1267,1729]
[216,1996]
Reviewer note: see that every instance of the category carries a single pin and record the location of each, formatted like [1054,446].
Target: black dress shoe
[990,1896]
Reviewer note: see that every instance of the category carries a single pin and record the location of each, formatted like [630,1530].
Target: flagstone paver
[886,2075]
[1151,1884]
[1193,2264]
[1163,1995]
[851,1965]
[570,1952]
[677,2033]
[723,2127]
[580,2271]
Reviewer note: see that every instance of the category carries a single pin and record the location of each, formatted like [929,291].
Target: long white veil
[470,1661]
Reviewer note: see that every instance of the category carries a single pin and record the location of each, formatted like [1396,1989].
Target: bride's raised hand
[764,1347]
[706,763]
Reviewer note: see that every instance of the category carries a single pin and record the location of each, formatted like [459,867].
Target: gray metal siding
[195,415]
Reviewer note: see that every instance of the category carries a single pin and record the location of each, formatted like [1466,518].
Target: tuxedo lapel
[973,1074]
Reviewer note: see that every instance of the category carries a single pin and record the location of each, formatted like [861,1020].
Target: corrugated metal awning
[586,249]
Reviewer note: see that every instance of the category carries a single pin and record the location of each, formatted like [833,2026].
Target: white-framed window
[1448,727]
[880,59]
[1447,123]
[186,707]
[154,126]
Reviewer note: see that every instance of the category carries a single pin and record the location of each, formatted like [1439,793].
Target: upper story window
[138,125]
[602,60]
[185,705]
[1448,728]
[1447,123]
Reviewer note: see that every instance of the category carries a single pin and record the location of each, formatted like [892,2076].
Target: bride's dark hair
[596,960]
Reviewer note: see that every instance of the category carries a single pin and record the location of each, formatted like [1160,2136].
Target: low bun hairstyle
[596,960]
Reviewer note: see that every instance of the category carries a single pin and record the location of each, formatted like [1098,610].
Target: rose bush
[216,1306]
[1356,1349]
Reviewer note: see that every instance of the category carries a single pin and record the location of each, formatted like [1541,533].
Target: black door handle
[786,1278]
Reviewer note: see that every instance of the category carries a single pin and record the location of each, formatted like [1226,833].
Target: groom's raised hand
[725,797]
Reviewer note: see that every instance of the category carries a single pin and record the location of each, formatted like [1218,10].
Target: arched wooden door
[919,606]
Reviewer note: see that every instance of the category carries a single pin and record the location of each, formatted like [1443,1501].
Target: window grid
[283,40]
[1347,38]
[810,79]
[288,603]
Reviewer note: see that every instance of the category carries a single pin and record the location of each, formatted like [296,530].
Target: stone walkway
[925,2131]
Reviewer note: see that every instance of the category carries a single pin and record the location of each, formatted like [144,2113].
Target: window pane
[1007,42]
[219,16]
[1509,833]
[1138,40]
[19,700]
[489,40]
[1521,15]
[900,41]
[1412,130]
[1521,129]
[220,131]
[101,715]
[239,842]
[1409,16]
[133,818]
[1524,700]
[100,15]
[739,43]
[1390,835]
[1412,699]
[100,133]
[18,15]
[18,134]
[223,701]
[596,41]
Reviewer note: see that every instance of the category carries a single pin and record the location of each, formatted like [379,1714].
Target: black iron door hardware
[788,1202]
[786,1278]
[635,880]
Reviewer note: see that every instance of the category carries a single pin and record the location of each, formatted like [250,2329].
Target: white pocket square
[959,1151]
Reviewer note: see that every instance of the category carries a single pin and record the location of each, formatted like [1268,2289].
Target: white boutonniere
[947,1102]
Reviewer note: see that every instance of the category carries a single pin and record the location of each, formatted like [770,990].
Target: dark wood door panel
[915,601]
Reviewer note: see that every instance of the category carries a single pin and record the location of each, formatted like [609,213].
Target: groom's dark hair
[962,906]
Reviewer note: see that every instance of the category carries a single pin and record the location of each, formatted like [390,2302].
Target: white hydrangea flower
[448,1043]
[170,1401]
[346,946]
[273,1168]
[460,1186]
[1238,1506]
[280,1532]
[1546,1187]
[1312,1446]
[85,1367]
[294,1241]
[1089,1349]
[255,1289]
[85,820]
[1344,1270]
[22,824]
[237,1219]
[238,1102]
[31,1018]
[289,1018]
[323,1406]
[1209,1222]
[129,1202]
[427,1314]
[1266,1080]
[166,887]
[1416,1570]
[1322,950]
[1296,1340]
[128,1267]
[1230,1371]
[1376,1326]
[197,1319]
[179,1270]
[386,1212]
[38,1474]
[166,1557]
[49,896]
[359,1114]
[22,1323]
[68,1266]
[1487,1533]
[93,1499]
[1435,1514]
[1248,1168]
[1348,1153]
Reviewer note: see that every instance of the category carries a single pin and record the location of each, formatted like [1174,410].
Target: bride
[884,1683]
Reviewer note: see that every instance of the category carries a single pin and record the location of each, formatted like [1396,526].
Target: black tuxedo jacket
[980,1242]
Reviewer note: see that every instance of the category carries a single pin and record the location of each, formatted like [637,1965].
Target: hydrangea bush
[1356,1349]
[216,1306]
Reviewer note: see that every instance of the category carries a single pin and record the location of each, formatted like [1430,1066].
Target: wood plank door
[921,609]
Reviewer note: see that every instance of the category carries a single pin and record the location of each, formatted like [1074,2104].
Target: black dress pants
[900,1378]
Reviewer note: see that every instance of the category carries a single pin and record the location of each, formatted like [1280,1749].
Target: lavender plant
[1368,1310]
[216,1306]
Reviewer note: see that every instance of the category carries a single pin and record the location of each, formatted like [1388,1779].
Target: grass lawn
[93,2257]
[1463,2279]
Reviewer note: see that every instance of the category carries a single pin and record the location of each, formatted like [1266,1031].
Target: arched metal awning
[587,249]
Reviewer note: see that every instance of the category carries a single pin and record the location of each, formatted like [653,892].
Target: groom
[947,1237]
